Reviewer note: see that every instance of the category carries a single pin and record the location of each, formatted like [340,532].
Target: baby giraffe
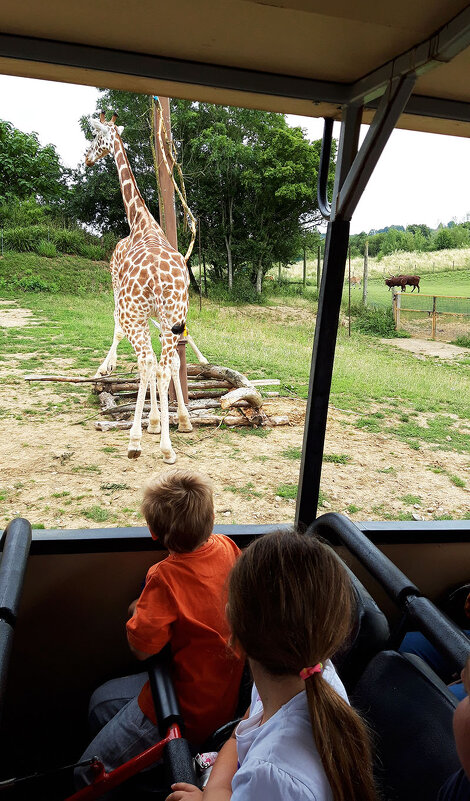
[150,278]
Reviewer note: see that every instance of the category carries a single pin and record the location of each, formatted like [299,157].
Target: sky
[420,178]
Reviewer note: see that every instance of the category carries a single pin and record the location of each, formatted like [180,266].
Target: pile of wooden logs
[211,388]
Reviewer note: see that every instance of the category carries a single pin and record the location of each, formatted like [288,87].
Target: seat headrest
[410,711]
[370,634]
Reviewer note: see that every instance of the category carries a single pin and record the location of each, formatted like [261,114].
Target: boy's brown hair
[179,509]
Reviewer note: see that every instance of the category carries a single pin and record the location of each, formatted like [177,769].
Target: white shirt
[279,761]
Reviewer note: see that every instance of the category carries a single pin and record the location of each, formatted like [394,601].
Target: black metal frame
[15,545]
[132,540]
[389,88]
[418,612]
[393,83]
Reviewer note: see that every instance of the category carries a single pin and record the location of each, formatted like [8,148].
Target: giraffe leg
[184,423]
[140,341]
[109,363]
[163,381]
[154,417]
[169,342]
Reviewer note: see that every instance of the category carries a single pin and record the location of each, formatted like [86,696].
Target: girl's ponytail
[342,741]
[291,605]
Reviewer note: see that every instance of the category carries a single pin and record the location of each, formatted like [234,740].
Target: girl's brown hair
[290,606]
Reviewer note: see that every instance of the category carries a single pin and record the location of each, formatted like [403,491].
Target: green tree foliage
[419,238]
[250,180]
[30,175]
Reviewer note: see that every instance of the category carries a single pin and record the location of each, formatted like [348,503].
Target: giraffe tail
[200,357]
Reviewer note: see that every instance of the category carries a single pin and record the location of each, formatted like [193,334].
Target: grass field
[79,327]
[422,403]
[449,261]
[452,284]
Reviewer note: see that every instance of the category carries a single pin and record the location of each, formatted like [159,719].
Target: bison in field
[403,281]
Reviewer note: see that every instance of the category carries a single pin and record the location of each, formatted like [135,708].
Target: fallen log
[249,394]
[192,405]
[203,384]
[107,402]
[209,393]
[132,389]
[235,378]
[265,382]
[207,420]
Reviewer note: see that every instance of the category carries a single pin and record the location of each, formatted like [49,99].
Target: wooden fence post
[366,272]
[349,291]
[396,309]
[434,318]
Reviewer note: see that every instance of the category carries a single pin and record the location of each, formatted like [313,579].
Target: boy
[182,603]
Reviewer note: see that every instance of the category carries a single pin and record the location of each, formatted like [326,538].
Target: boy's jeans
[120,729]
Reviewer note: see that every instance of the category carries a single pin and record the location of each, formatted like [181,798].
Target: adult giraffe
[149,278]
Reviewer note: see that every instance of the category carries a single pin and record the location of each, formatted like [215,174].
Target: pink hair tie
[305,673]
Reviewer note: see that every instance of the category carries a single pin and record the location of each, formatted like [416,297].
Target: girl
[290,608]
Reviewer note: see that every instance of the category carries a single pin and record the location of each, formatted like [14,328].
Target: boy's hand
[185,792]
[131,608]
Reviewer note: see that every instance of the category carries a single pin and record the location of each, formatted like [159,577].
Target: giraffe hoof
[133,453]
[170,458]
[154,429]
[185,426]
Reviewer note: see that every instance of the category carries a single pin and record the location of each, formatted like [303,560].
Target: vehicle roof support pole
[329,303]
[353,170]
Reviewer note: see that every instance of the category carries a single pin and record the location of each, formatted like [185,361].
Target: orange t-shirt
[183,603]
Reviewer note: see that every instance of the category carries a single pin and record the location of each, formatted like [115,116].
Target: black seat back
[370,634]
[409,710]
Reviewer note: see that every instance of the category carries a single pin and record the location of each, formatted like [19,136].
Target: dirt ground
[59,472]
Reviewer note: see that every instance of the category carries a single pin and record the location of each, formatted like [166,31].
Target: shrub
[463,341]
[371,320]
[93,252]
[242,291]
[45,248]
[69,241]
[33,283]
[43,238]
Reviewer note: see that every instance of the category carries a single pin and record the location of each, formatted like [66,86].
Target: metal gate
[440,317]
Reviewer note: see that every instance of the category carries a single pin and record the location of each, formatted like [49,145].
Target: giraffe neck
[134,203]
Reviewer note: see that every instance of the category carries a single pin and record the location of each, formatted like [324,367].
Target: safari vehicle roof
[298,56]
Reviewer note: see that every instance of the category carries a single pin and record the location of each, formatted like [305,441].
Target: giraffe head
[105,135]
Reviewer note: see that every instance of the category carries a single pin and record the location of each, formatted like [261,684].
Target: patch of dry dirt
[13,316]
[427,347]
[60,472]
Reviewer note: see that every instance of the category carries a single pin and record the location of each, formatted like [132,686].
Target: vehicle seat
[370,634]
[409,710]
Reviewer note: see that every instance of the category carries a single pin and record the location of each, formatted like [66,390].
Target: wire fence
[440,317]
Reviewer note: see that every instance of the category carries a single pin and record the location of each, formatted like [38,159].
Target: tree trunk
[229,261]
[259,279]
[192,278]
[228,243]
